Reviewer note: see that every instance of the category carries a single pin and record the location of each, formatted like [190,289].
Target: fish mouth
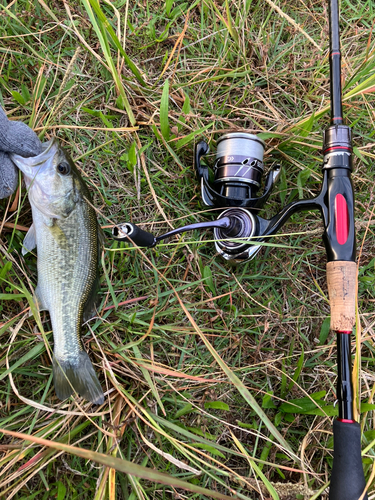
[29,166]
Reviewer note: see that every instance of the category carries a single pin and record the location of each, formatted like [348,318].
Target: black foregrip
[132,233]
[347,480]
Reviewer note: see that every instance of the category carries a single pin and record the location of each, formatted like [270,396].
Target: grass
[223,378]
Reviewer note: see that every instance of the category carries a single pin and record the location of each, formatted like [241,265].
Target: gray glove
[15,137]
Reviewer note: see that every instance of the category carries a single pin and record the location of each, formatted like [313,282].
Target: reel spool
[238,167]
[238,172]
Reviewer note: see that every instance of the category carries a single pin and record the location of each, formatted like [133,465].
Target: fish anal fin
[39,304]
[39,301]
[77,375]
[29,241]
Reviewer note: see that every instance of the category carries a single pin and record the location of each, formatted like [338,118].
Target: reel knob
[131,233]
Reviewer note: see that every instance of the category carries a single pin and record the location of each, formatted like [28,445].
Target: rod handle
[342,291]
[347,479]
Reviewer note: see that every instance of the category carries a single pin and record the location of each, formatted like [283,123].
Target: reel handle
[232,227]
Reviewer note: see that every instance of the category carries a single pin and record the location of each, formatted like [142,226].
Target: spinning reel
[238,171]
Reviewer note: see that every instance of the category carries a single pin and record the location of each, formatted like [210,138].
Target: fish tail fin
[79,376]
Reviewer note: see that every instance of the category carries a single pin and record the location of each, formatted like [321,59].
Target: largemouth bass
[66,233]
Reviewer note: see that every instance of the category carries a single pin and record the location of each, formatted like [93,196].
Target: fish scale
[65,231]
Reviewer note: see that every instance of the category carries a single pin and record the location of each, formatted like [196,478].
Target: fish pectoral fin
[29,241]
[58,235]
[77,375]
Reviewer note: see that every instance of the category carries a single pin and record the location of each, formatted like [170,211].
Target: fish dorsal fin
[101,237]
[89,308]
[29,242]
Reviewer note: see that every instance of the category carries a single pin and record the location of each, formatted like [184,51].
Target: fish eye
[63,168]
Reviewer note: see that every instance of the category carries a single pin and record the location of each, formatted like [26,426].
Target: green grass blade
[102,18]
[242,389]
[164,105]
[266,482]
[122,102]
[185,140]
[148,378]
[33,353]
[120,465]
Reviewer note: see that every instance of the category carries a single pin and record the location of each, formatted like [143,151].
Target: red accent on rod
[345,332]
[336,147]
[346,421]
[342,219]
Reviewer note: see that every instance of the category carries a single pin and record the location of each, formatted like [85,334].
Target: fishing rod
[347,479]
[239,232]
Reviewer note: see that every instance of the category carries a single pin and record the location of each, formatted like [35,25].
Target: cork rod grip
[342,290]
